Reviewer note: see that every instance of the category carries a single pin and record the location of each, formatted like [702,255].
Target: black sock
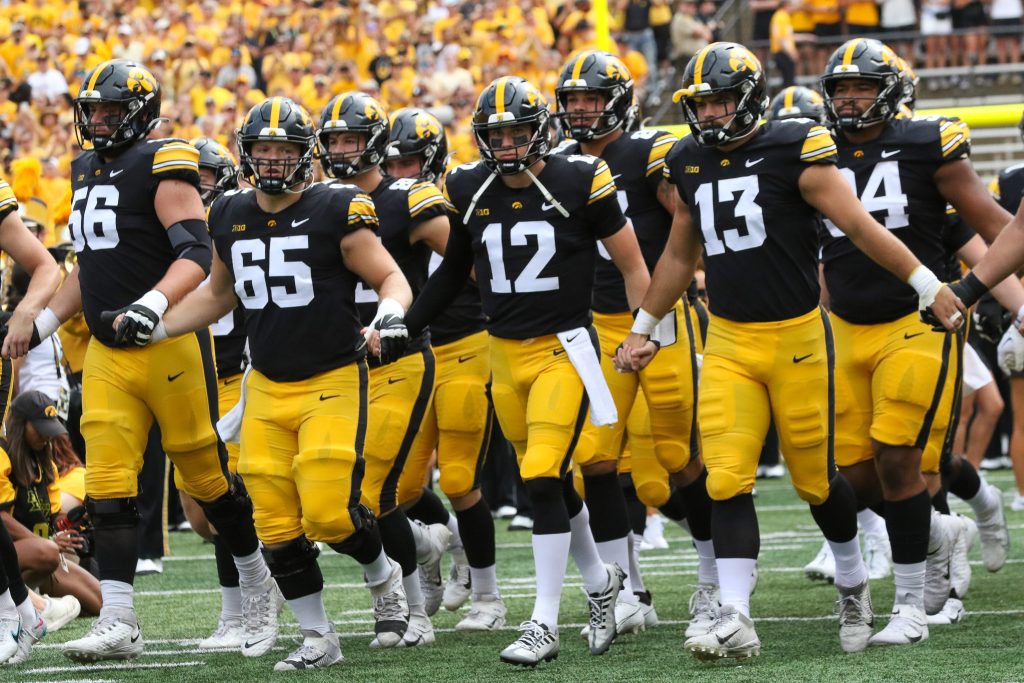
[398,541]
[907,522]
[939,501]
[675,507]
[476,527]
[11,570]
[573,502]
[608,518]
[227,572]
[734,527]
[117,552]
[965,482]
[698,507]
[550,515]
[837,516]
[364,546]
[428,509]
[636,510]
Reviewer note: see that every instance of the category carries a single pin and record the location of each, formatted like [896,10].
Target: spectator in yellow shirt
[206,90]
[783,45]
[861,17]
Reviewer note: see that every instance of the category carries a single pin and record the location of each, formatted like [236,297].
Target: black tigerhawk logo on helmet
[742,59]
[426,126]
[140,80]
[617,70]
[373,111]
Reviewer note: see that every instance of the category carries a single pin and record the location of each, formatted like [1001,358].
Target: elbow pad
[190,240]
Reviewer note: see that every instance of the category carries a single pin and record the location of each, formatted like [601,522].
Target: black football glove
[136,327]
[394,338]
[968,290]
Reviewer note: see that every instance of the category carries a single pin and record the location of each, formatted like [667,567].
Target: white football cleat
[654,533]
[938,563]
[602,611]
[823,566]
[486,613]
[877,556]
[114,636]
[10,629]
[537,644]
[908,625]
[28,637]
[460,584]
[732,635]
[260,609]
[1018,503]
[60,611]
[437,537]
[229,634]
[960,566]
[629,617]
[420,631]
[149,567]
[952,612]
[650,614]
[390,609]
[704,607]
[856,618]
[995,538]
[316,652]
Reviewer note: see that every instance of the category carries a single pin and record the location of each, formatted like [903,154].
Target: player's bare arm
[365,256]
[202,306]
[625,252]
[433,232]
[961,186]
[30,254]
[824,188]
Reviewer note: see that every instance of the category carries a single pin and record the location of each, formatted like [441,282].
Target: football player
[749,193]
[20,625]
[797,102]
[529,224]
[595,92]
[894,403]
[304,420]
[353,142]
[461,413]
[138,226]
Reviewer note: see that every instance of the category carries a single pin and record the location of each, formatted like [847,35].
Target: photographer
[30,500]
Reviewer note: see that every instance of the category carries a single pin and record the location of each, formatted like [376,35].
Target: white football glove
[1010,351]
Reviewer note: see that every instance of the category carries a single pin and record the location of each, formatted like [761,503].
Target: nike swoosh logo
[327,398]
[571,339]
[559,352]
[296,224]
[230,381]
[171,378]
[911,336]
[722,640]
[886,153]
[395,380]
[914,639]
[463,359]
[135,638]
[798,359]
[253,643]
[753,162]
[116,173]
[544,206]
[312,662]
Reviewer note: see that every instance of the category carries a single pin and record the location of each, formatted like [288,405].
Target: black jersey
[1008,188]
[534,267]
[8,202]
[123,249]
[229,343]
[894,177]
[636,161]
[462,317]
[760,237]
[402,204]
[34,506]
[298,296]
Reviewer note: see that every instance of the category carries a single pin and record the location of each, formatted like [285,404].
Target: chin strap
[547,195]
[476,197]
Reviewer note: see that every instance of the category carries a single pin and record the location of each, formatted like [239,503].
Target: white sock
[635,576]
[850,568]
[310,613]
[230,603]
[413,592]
[584,553]
[617,552]
[378,571]
[736,578]
[550,553]
[936,532]
[7,605]
[985,501]
[484,580]
[707,569]
[116,595]
[420,538]
[871,522]
[252,570]
[909,580]
[453,526]
[27,612]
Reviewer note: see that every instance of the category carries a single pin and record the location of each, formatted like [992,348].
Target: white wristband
[389,307]
[1017,322]
[46,323]
[924,282]
[155,301]
[644,323]
[159,333]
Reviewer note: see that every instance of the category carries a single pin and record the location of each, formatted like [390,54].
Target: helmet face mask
[723,73]
[276,120]
[864,60]
[129,96]
[352,113]
[599,74]
[416,134]
[512,102]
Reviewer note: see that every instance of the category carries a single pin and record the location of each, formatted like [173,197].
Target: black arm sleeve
[446,282]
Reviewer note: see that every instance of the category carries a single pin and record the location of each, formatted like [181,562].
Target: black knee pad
[113,513]
[365,525]
[295,569]
[232,512]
